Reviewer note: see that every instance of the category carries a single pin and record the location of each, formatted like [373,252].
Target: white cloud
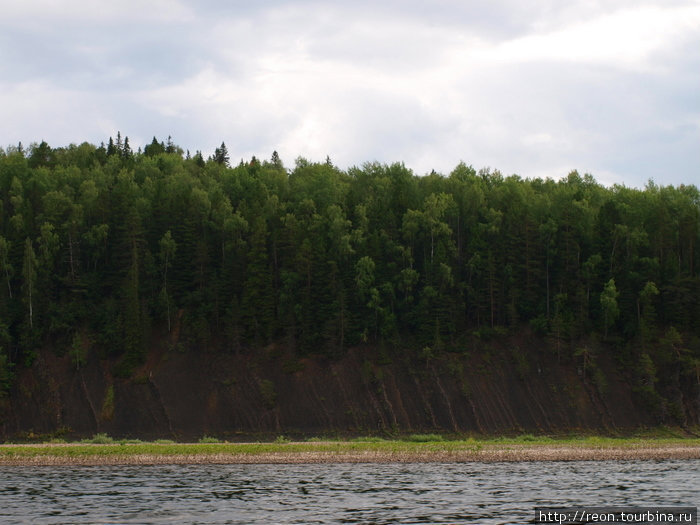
[625,38]
[538,89]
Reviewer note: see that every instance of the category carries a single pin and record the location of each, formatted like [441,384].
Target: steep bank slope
[185,395]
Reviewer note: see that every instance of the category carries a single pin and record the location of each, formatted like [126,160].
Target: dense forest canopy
[100,247]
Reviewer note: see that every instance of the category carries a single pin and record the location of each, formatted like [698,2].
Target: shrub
[99,439]
[267,392]
[424,438]
[107,412]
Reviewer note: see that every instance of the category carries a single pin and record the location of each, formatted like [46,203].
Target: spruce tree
[221,155]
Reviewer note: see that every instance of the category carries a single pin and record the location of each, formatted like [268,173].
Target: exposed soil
[184,395]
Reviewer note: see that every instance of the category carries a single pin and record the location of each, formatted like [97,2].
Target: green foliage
[424,438]
[208,439]
[650,399]
[526,438]
[221,155]
[522,365]
[29,264]
[6,374]
[608,302]
[646,370]
[257,302]
[267,393]
[167,247]
[99,439]
[588,358]
[122,244]
[539,325]
[600,381]
[291,366]
[107,411]
[78,351]
[426,354]
[647,313]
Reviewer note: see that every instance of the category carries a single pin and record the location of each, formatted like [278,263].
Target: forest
[101,247]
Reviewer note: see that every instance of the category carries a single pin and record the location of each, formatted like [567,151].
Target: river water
[488,493]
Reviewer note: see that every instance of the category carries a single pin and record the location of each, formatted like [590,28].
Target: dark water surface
[336,493]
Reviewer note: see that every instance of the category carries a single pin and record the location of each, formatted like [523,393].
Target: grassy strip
[356,448]
[332,448]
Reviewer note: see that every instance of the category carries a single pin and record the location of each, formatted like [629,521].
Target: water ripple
[493,493]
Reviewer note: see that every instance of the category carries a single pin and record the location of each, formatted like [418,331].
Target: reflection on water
[336,493]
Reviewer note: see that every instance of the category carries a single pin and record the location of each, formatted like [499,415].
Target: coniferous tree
[41,155]
[119,144]
[276,161]
[154,148]
[257,302]
[221,155]
[111,148]
[167,252]
[126,150]
[5,265]
[324,258]
[199,159]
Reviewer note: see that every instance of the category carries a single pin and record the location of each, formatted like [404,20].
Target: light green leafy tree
[167,251]
[608,303]
[29,265]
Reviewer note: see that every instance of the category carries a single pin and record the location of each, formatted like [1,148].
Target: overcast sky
[539,88]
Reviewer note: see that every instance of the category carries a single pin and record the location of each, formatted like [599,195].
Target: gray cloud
[609,88]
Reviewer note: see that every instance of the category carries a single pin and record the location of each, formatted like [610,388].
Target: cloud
[625,38]
[536,89]
[37,110]
[78,12]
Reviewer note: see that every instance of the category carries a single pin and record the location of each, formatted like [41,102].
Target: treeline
[100,247]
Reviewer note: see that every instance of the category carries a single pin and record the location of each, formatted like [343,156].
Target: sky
[537,89]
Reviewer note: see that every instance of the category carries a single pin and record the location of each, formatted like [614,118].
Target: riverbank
[589,449]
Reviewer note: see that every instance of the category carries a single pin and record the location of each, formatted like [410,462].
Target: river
[488,493]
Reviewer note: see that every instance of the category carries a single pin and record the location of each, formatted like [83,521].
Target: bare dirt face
[186,395]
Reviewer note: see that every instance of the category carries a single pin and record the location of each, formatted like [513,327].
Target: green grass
[424,438]
[81,450]
[124,448]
